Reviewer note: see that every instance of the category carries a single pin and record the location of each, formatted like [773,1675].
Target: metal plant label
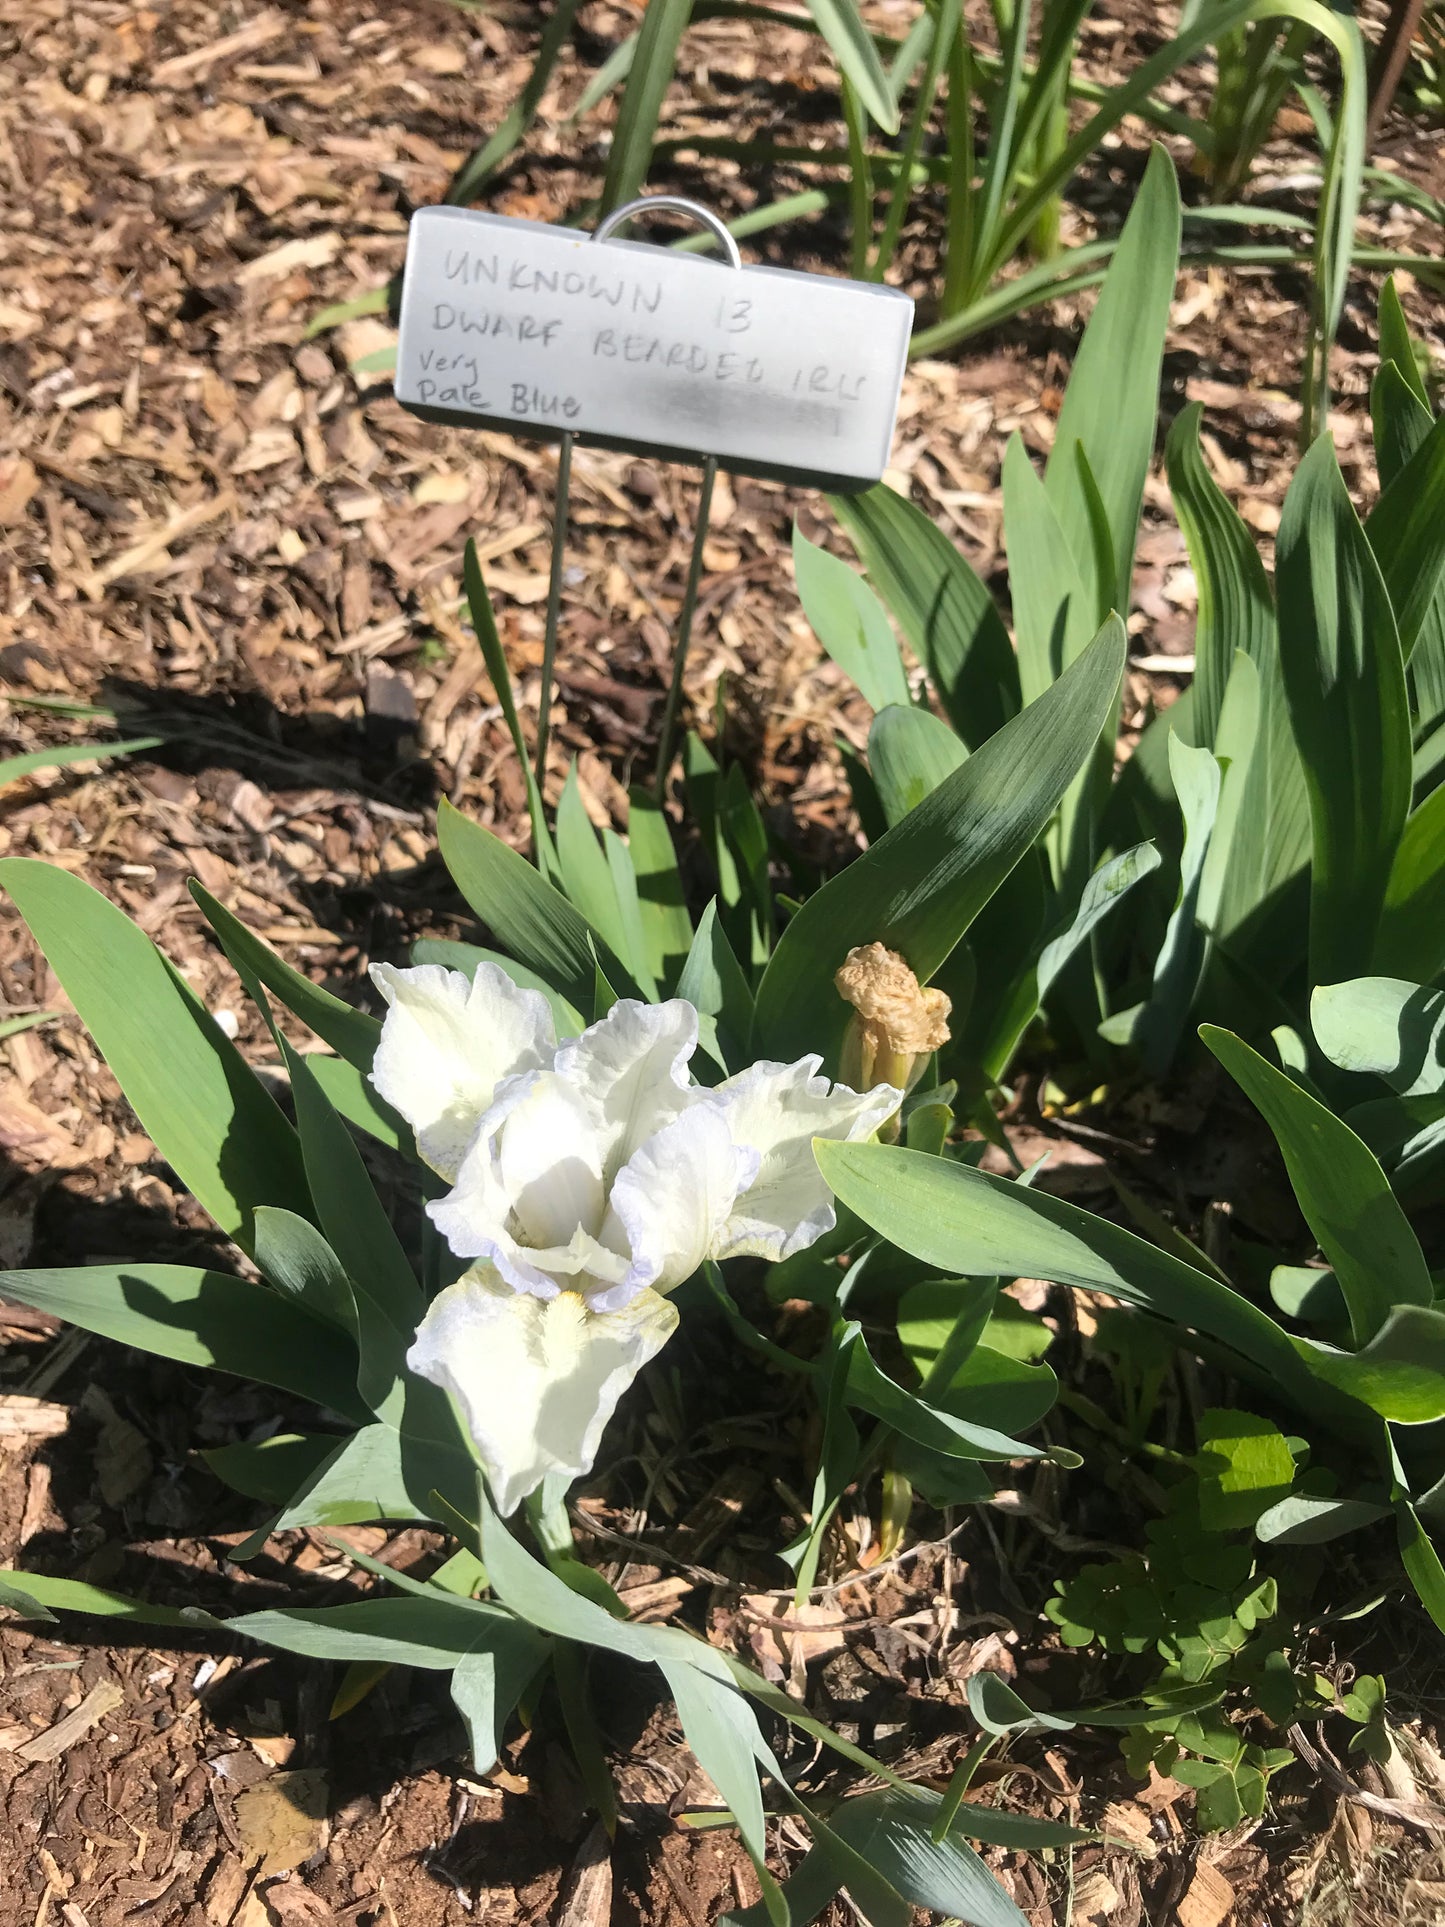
[546,331]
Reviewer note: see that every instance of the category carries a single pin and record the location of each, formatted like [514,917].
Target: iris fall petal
[536,1380]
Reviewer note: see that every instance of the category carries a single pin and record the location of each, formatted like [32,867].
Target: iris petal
[778,1109]
[447,1044]
[672,1198]
[535,1381]
[550,1163]
[632,1069]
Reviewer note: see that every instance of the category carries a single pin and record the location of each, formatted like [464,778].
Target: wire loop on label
[671,204]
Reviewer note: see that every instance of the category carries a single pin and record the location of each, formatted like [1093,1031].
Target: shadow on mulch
[245,732]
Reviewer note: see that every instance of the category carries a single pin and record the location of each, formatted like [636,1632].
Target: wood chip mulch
[217,530]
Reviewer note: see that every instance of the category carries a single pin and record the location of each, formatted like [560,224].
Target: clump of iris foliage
[636,1110]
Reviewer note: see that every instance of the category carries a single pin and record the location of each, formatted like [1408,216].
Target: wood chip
[37,1500]
[306,251]
[55,1875]
[1095,1898]
[1163,665]
[16,322]
[1127,1820]
[99,1701]
[441,57]
[293,1905]
[23,1418]
[786,1635]
[256,33]
[588,1898]
[18,483]
[657,1598]
[466,672]
[224,1890]
[445,487]
[1209,1900]
[150,552]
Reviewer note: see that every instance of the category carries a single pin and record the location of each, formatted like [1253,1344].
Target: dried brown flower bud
[899,1022]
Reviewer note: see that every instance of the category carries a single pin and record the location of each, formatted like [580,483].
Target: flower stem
[554,600]
[684,624]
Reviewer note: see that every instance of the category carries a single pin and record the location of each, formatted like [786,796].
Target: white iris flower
[589,1178]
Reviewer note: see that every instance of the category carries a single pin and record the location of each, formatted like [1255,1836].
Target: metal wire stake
[554,598]
[684,624]
[648,204]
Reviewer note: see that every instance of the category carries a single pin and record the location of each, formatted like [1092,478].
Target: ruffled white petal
[672,1199]
[531,1201]
[445,1046]
[632,1069]
[778,1109]
[550,1162]
[583,1264]
[474,1214]
[536,1381]
[598,1167]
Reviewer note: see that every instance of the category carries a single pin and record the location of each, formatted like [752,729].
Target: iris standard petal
[445,1046]
[550,1163]
[779,1109]
[550,1169]
[536,1380]
[632,1069]
[672,1199]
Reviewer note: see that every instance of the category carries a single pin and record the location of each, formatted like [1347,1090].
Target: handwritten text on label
[510,323]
